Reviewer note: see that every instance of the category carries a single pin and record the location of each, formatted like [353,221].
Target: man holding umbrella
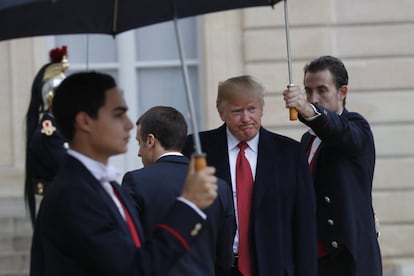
[341,156]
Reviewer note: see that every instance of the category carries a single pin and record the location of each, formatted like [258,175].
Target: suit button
[327,199]
[330,222]
[196,229]
[40,188]
[334,244]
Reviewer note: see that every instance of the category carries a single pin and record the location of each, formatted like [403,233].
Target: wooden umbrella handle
[200,161]
[293,114]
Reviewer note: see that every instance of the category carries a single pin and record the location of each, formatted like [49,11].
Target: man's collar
[99,170]
[170,153]
[232,141]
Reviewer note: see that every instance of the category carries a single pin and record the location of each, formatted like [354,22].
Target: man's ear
[83,121]
[343,91]
[221,113]
[150,140]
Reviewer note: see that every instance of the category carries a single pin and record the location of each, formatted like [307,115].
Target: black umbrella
[25,18]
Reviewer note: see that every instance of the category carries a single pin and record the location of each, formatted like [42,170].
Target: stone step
[15,226]
[12,181]
[14,273]
[14,263]
[15,243]
[12,207]
[15,236]
[398,266]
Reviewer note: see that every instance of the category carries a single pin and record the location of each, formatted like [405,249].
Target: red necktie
[129,221]
[244,189]
[321,248]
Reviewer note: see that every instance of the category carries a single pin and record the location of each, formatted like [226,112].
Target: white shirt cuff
[315,116]
[192,205]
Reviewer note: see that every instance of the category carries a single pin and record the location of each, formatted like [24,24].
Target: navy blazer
[79,231]
[283,228]
[155,189]
[343,174]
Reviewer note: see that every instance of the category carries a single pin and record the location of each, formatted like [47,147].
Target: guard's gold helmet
[53,75]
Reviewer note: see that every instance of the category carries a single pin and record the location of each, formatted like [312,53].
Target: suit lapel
[267,161]
[102,194]
[306,142]
[220,156]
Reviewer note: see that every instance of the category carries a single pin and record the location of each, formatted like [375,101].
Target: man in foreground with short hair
[86,223]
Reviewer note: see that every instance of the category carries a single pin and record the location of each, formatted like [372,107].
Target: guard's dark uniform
[45,145]
[45,153]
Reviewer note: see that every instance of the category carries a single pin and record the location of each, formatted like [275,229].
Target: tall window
[145,62]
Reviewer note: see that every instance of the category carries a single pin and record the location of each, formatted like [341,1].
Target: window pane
[158,42]
[112,72]
[165,86]
[102,48]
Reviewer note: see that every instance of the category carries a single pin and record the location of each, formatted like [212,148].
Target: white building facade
[374,38]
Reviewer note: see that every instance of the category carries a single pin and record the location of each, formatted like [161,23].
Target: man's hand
[200,186]
[295,98]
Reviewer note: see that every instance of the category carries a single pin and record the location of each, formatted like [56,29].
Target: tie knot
[242,146]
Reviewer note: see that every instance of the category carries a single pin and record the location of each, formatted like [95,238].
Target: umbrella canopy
[25,18]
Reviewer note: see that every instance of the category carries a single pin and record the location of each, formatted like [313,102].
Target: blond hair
[244,85]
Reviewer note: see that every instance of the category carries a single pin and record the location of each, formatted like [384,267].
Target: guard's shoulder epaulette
[48,128]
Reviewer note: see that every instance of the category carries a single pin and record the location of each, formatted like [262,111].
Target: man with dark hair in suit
[86,223]
[271,185]
[161,135]
[341,151]
[45,145]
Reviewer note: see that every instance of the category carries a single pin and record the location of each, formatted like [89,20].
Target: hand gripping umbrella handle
[293,114]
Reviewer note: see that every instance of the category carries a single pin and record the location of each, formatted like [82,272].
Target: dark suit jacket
[343,175]
[282,219]
[155,189]
[79,231]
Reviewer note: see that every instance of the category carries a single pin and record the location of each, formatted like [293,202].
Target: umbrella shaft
[289,56]
[197,143]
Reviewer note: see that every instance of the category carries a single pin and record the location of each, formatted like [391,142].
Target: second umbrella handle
[293,113]
[200,161]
